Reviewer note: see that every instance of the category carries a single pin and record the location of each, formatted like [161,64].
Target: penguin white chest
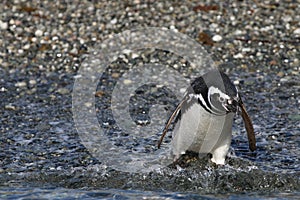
[202,132]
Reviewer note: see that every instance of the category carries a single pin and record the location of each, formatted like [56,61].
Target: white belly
[202,132]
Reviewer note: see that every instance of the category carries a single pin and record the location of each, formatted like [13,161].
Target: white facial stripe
[200,97]
[213,90]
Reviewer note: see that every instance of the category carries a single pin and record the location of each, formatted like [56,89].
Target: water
[46,159]
[23,193]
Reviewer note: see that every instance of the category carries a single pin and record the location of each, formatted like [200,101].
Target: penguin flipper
[172,117]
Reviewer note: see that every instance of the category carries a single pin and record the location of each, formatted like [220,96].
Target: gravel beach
[43,45]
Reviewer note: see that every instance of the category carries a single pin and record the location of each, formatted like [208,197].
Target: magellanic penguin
[203,119]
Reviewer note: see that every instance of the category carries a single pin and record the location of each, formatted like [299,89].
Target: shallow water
[66,194]
[47,159]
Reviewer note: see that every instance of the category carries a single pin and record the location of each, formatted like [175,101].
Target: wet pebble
[38,33]
[3,89]
[63,91]
[3,25]
[217,38]
[21,84]
[127,81]
[10,107]
[297,31]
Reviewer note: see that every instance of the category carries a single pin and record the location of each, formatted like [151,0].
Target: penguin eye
[221,99]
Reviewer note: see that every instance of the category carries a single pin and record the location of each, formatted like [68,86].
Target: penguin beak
[248,125]
[232,106]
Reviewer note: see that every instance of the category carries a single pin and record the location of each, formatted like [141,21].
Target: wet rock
[127,81]
[3,25]
[63,91]
[10,107]
[217,38]
[38,33]
[21,84]
[297,31]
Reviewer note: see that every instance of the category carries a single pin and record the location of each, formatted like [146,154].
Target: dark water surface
[66,194]
[48,161]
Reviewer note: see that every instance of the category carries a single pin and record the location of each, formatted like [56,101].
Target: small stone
[239,55]
[99,93]
[115,75]
[12,21]
[134,55]
[74,51]
[258,54]
[287,18]
[246,49]
[54,38]
[10,107]
[3,89]
[38,33]
[217,38]
[26,46]
[20,51]
[63,91]
[238,32]
[172,27]
[283,80]
[3,25]
[21,84]
[126,51]
[114,21]
[88,104]
[280,74]
[127,81]
[34,39]
[32,82]
[297,31]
